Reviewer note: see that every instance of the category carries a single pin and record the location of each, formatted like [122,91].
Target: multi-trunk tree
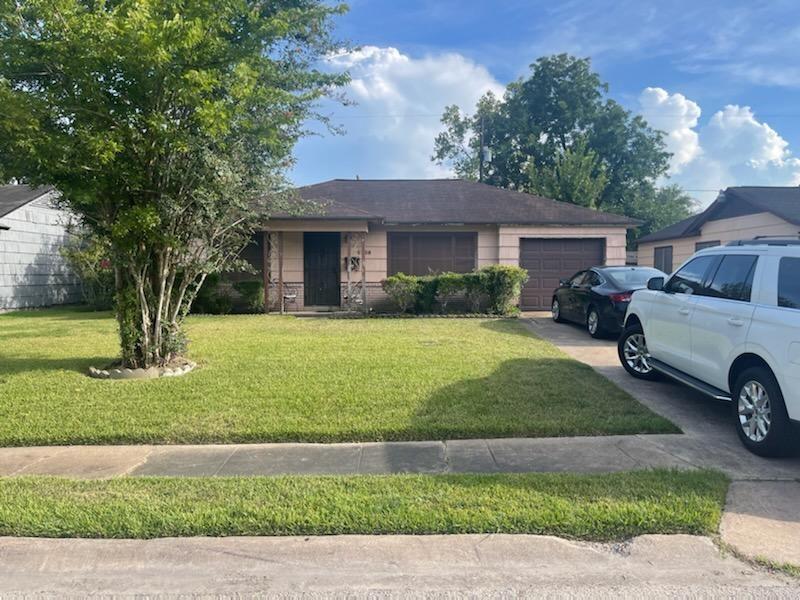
[165,126]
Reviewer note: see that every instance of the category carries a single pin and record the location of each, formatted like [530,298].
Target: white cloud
[399,99]
[732,148]
[677,116]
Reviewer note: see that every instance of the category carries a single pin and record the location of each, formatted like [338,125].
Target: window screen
[789,283]
[423,253]
[703,245]
[663,259]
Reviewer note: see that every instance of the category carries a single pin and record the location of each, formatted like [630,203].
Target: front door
[321,269]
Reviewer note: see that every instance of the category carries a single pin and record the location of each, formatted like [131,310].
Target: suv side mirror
[655,283]
[562,282]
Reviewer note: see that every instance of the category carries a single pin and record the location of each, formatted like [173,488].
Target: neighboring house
[363,230]
[32,271]
[738,213]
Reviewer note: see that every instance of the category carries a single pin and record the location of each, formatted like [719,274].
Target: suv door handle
[683,311]
[735,322]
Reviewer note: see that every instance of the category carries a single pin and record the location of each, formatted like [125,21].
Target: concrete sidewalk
[512,455]
[451,566]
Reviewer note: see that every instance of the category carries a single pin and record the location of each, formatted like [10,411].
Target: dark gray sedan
[598,297]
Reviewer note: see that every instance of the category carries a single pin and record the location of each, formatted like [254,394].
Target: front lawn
[594,507]
[270,378]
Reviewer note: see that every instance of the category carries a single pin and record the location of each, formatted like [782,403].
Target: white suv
[727,323]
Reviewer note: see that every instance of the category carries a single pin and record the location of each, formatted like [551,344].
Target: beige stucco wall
[495,244]
[723,230]
[508,238]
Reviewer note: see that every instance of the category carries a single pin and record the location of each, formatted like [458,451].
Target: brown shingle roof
[783,202]
[439,201]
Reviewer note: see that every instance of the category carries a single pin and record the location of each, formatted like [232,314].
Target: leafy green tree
[659,208]
[166,126]
[577,177]
[562,104]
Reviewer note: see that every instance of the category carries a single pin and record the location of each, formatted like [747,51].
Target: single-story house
[738,213]
[359,231]
[32,271]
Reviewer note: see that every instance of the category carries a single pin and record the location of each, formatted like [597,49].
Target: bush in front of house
[503,285]
[403,289]
[252,293]
[496,287]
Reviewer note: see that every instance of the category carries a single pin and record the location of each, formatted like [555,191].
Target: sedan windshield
[632,278]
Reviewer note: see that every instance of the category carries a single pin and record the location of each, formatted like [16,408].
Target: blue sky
[721,78]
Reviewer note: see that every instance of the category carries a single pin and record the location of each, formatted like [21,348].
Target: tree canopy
[557,133]
[164,125]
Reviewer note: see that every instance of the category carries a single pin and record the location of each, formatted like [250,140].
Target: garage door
[548,260]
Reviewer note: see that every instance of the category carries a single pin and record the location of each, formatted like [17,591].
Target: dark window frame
[703,245]
[782,303]
[703,281]
[711,276]
[656,261]
[391,241]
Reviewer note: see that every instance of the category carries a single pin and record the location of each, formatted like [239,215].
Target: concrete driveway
[709,438]
[762,513]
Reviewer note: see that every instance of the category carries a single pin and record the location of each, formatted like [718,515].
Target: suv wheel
[759,413]
[556,311]
[593,323]
[633,354]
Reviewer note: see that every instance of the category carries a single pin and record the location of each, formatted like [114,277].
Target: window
[593,279]
[789,283]
[663,259]
[734,278]
[703,245]
[428,252]
[689,280]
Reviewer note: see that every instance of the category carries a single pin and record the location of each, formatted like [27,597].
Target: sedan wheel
[556,311]
[593,323]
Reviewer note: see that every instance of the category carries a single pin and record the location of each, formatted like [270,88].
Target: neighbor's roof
[441,201]
[13,197]
[783,202]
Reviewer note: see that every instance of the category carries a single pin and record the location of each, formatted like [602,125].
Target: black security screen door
[321,268]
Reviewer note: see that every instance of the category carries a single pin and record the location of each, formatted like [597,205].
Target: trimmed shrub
[474,290]
[212,298]
[448,285]
[252,293]
[403,289]
[503,286]
[427,292]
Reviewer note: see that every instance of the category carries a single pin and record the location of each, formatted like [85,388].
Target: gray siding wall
[32,271]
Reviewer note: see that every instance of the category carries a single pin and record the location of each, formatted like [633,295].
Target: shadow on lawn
[509,327]
[544,397]
[13,365]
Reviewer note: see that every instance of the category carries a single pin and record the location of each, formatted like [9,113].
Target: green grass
[595,507]
[271,378]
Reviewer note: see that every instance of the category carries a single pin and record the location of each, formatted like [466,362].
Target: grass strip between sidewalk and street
[592,507]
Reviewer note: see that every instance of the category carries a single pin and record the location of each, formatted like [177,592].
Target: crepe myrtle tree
[165,125]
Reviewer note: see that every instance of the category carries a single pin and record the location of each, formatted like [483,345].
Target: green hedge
[494,288]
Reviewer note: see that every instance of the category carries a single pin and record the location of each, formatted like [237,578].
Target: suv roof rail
[767,240]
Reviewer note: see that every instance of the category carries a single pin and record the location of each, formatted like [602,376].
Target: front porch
[315,267]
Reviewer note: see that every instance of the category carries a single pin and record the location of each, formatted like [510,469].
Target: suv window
[734,278]
[689,279]
[789,283]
